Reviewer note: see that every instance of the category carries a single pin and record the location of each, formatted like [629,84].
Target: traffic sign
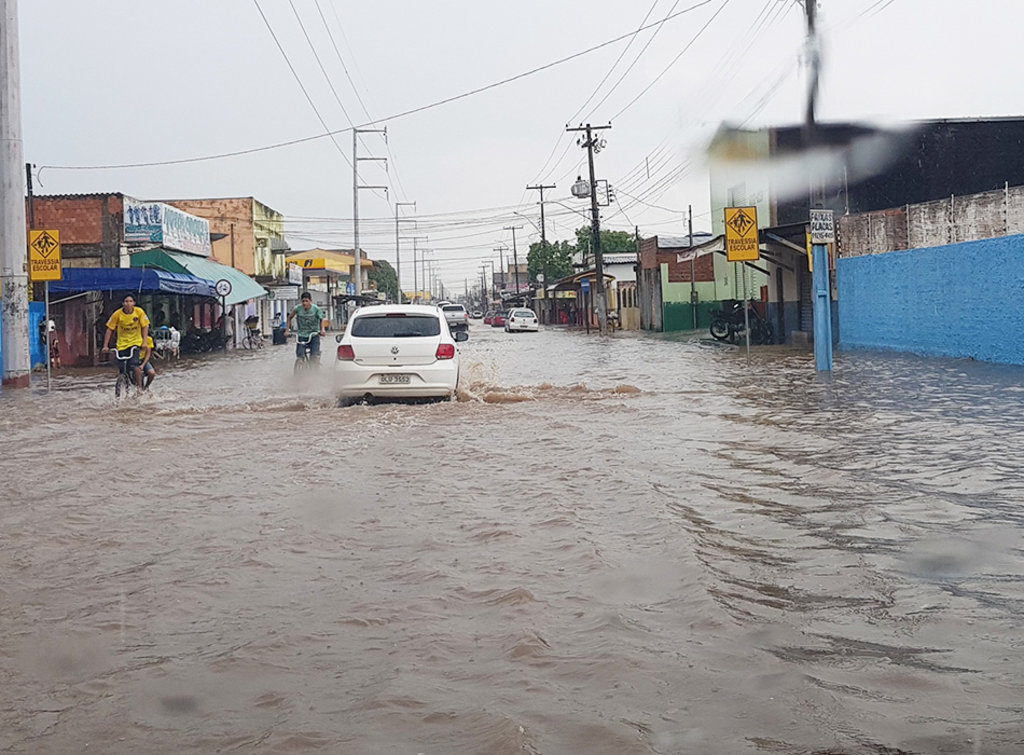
[223,287]
[741,241]
[44,256]
[585,284]
[823,227]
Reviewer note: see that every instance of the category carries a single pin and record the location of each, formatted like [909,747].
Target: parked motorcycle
[728,323]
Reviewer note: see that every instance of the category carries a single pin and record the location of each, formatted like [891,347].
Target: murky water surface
[629,545]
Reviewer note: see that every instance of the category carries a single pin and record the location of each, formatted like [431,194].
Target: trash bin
[279,336]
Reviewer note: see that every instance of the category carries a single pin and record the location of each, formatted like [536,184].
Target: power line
[674,60]
[396,116]
[299,81]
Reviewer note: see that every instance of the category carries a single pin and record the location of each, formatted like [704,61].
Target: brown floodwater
[636,544]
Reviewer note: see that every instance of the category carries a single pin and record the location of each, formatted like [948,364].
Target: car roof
[425,310]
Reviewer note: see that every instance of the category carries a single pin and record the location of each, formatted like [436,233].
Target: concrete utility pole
[17,361]
[501,263]
[515,252]
[398,254]
[357,268]
[819,252]
[543,234]
[415,278]
[600,298]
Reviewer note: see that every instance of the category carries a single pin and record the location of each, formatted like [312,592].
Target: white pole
[17,362]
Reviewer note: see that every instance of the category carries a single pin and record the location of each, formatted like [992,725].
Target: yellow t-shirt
[152,348]
[128,327]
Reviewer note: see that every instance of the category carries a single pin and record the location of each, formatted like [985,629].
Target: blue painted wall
[959,300]
[36,312]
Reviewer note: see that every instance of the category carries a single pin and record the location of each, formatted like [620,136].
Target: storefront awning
[128,280]
[243,287]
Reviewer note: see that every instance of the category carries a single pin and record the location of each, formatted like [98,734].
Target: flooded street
[622,545]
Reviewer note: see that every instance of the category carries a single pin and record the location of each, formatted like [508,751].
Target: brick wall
[91,226]
[973,217]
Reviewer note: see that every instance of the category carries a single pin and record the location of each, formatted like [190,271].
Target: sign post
[223,287]
[823,233]
[742,245]
[45,265]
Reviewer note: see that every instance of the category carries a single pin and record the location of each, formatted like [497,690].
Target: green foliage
[554,260]
[384,277]
[611,241]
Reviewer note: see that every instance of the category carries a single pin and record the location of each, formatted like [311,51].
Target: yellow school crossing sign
[44,256]
[741,243]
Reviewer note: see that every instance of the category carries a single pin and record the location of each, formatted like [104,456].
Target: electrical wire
[299,82]
[393,117]
[674,60]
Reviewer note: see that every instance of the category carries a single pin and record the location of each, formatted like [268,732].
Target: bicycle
[253,340]
[305,362]
[125,376]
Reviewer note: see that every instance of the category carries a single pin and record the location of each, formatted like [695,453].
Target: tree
[383,276]
[611,241]
[553,260]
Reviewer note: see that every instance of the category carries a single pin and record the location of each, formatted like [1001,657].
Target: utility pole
[515,252]
[357,266]
[423,267]
[543,235]
[17,361]
[592,146]
[415,278]
[819,252]
[501,261]
[398,255]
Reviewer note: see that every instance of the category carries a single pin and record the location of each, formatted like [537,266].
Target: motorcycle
[728,323]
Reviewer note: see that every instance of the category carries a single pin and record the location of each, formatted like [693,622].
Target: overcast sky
[111,82]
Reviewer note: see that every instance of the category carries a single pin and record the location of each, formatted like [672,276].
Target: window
[395,326]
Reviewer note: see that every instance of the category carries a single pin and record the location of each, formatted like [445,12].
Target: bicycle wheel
[122,386]
[301,364]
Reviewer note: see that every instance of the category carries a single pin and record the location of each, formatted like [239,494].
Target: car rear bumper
[436,380]
[522,326]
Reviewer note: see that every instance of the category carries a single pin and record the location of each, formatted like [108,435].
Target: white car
[521,319]
[397,351]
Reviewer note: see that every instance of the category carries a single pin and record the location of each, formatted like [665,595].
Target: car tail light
[445,351]
[345,353]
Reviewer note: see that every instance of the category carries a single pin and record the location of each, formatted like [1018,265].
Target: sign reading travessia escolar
[741,244]
[44,256]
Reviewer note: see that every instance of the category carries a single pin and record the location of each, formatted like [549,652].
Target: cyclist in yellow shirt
[132,327]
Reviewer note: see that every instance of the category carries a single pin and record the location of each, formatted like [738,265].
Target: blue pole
[822,310]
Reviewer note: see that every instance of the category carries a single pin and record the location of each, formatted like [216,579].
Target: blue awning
[129,280]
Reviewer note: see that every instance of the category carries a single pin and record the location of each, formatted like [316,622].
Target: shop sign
[171,228]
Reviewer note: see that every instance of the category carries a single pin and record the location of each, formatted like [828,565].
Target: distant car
[489,317]
[521,319]
[498,320]
[456,316]
[397,351]
[476,314]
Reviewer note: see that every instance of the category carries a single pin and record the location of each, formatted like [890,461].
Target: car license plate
[396,378]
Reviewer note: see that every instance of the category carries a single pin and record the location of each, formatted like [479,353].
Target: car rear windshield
[454,308]
[395,326]
[523,313]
